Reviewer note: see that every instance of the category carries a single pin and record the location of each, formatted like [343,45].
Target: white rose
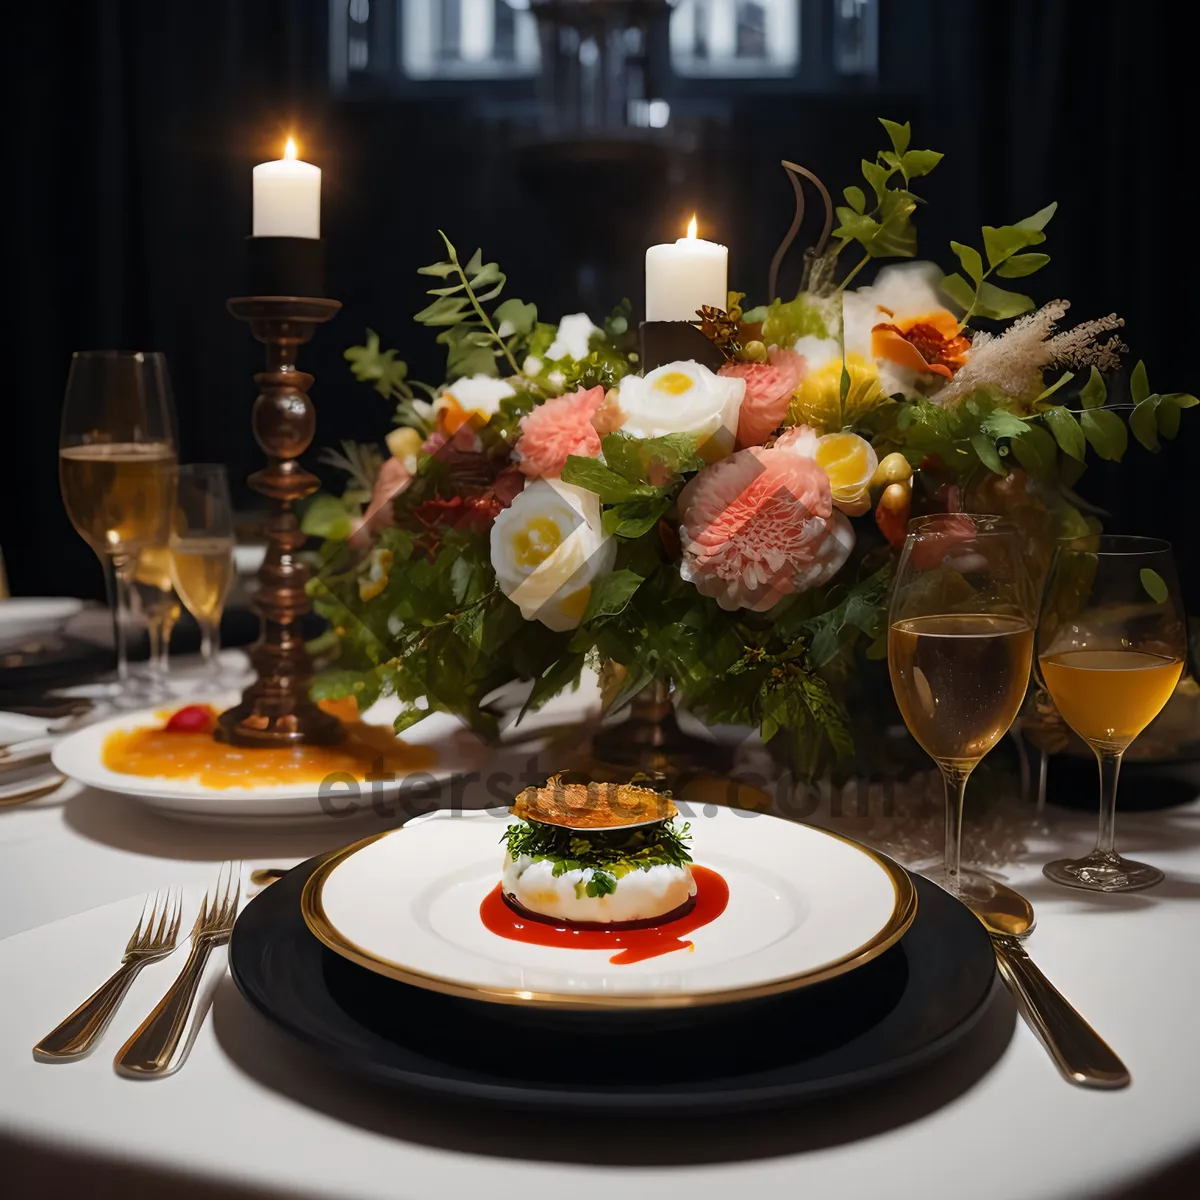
[683,397]
[548,548]
[474,396]
[573,339]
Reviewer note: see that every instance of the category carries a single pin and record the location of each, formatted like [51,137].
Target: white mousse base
[640,895]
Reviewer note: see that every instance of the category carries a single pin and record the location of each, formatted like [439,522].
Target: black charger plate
[903,1008]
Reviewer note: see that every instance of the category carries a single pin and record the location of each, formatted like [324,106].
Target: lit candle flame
[289,151]
[691,230]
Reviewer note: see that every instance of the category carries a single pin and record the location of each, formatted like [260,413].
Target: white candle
[287,197]
[683,275]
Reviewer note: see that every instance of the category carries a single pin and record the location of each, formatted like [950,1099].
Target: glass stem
[210,647]
[955,779]
[1110,770]
[164,641]
[116,584]
[154,629]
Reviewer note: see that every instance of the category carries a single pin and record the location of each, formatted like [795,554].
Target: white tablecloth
[252,1113]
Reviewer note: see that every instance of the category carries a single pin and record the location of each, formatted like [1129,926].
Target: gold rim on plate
[903,912]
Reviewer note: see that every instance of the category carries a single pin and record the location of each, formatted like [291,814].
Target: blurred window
[498,39]
[468,39]
[732,38]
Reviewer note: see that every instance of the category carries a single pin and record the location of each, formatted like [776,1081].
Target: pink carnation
[392,479]
[769,387]
[557,429]
[760,525]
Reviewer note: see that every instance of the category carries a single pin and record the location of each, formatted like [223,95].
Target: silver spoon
[1079,1052]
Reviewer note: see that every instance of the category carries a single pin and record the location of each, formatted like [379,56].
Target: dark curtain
[1088,104]
[132,130]
[135,125]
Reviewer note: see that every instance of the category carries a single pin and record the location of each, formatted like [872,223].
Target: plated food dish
[184,772]
[906,1006]
[597,854]
[789,905]
[601,867]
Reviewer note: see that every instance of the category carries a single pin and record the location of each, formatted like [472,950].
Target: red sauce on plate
[631,944]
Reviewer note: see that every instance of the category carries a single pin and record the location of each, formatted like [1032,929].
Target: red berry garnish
[194,718]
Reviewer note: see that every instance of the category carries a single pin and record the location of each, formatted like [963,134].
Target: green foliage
[784,322]
[1036,451]
[1155,585]
[1154,415]
[652,460]
[605,366]
[361,462]
[327,517]
[885,230]
[612,488]
[1063,424]
[976,431]
[457,636]
[794,701]
[979,298]
[388,375]
[611,595]
[857,611]
[472,340]
[641,480]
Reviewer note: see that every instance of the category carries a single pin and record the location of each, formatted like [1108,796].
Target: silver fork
[158,1047]
[154,938]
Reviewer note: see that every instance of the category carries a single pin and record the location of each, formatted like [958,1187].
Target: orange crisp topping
[592,805]
[161,753]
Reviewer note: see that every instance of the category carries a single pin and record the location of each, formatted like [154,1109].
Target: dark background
[133,127]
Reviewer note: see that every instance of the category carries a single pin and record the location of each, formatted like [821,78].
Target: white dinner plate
[25,616]
[804,905]
[79,757]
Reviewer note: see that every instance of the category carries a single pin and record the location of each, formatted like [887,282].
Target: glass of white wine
[1111,645]
[201,553]
[960,645]
[115,468]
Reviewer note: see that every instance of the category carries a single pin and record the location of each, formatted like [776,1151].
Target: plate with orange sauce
[168,759]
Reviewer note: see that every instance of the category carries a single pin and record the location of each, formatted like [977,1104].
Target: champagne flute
[201,546]
[160,605]
[960,644]
[1111,644]
[115,460]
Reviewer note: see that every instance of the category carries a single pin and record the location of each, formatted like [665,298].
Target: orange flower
[929,344]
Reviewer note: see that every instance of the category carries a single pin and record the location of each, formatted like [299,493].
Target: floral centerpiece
[731,532]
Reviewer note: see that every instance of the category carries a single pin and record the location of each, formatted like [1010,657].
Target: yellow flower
[404,443]
[850,463]
[818,399]
[375,578]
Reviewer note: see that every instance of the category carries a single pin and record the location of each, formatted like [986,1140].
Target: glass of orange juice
[1111,646]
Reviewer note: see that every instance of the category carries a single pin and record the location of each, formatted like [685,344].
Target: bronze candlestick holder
[276,709]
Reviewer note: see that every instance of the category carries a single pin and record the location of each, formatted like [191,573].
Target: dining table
[253,1113]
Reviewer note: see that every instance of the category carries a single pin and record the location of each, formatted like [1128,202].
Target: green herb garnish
[610,853]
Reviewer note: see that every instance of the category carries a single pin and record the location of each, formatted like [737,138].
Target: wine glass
[160,606]
[1111,644]
[201,548]
[115,460]
[201,552]
[960,644]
